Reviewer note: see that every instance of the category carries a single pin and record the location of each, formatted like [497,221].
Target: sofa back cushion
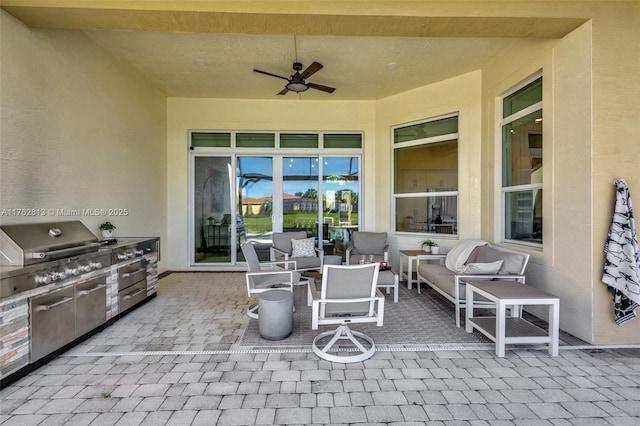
[473,256]
[513,262]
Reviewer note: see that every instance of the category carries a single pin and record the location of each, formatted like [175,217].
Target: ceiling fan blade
[272,75]
[311,69]
[283,91]
[321,87]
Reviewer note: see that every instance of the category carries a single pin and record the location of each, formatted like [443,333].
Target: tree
[310,193]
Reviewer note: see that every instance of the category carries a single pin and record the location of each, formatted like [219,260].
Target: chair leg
[344,333]
[252,311]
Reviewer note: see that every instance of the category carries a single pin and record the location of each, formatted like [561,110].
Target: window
[521,127]
[269,182]
[425,191]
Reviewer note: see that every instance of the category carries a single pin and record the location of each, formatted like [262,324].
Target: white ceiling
[369,49]
[360,68]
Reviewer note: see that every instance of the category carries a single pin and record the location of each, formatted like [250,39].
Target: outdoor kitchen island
[59,284]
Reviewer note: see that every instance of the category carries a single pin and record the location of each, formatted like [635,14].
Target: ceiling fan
[296,82]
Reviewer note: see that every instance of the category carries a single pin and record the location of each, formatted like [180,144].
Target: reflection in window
[255,203]
[300,194]
[426,177]
[522,145]
[212,209]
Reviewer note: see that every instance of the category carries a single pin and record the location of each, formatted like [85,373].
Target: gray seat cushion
[306,262]
[429,271]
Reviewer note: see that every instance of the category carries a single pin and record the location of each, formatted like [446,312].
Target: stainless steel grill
[37,254]
[28,244]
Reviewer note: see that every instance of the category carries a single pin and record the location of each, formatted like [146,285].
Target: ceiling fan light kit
[296,83]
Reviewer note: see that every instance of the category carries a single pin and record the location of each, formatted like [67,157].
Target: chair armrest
[320,254]
[279,272]
[347,255]
[283,264]
[275,252]
[386,253]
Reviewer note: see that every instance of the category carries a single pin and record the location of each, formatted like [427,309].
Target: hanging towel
[622,261]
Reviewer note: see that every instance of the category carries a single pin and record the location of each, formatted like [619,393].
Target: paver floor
[175,361]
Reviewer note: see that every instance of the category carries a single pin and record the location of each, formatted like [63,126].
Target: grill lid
[25,244]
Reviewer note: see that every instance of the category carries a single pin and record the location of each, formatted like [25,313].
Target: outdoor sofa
[477,260]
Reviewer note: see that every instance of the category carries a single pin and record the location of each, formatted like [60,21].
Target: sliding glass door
[254,177]
[300,194]
[212,209]
[248,197]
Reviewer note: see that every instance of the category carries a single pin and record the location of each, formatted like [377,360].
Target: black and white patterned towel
[622,261]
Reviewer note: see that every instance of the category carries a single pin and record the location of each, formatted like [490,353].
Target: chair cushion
[307,262]
[282,240]
[429,271]
[369,242]
[483,268]
[303,248]
[512,262]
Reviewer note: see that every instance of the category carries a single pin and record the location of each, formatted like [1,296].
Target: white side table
[510,330]
[412,256]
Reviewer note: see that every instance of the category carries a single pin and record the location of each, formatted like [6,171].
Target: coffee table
[514,329]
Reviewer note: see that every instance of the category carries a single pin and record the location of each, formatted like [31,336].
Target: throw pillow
[483,268]
[303,248]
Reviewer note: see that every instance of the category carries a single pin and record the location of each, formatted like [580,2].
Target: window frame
[505,191]
[423,142]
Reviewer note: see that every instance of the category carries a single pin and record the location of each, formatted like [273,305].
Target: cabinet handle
[85,292]
[53,305]
[135,293]
[128,274]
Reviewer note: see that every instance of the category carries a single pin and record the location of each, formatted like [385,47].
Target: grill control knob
[96,265]
[71,271]
[43,279]
[122,256]
[57,276]
[138,252]
[84,268]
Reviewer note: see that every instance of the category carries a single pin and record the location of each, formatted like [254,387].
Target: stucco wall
[78,131]
[562,266]
[616,146]
[233,114]
[460,94]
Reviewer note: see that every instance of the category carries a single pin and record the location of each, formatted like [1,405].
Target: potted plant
[211,220]
[428,245]
[107,229]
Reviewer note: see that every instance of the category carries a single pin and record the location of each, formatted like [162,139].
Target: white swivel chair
[266,276]
[348,296]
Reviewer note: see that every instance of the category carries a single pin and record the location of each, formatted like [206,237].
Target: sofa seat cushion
[430,270]
[512,262]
